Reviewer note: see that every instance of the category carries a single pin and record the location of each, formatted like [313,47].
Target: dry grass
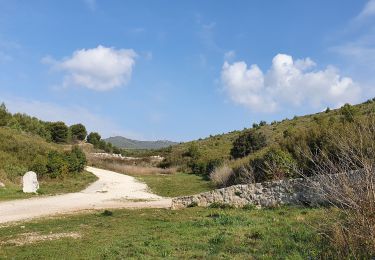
[121,167]
[220,176]
[347,181]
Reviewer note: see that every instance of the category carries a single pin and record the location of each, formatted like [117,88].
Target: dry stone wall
[267,194]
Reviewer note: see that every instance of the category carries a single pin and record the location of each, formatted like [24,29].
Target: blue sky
[182,70]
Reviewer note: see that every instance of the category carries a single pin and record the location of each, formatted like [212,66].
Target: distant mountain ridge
[123,142]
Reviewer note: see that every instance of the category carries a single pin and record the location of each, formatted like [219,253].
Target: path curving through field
[111,190]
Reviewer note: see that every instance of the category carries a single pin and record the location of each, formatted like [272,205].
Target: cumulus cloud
[287,82]
[100,68]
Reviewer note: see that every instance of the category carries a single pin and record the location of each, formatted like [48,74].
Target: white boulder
[30,182]
[2,185]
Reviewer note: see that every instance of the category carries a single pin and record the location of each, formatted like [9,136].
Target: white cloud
[48,111]
[287,82]
[368,10]
[100,68]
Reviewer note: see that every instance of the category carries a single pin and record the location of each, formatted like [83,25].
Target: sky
[183,70]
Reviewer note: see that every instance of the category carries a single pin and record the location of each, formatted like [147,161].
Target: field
[178,184]
[190,233]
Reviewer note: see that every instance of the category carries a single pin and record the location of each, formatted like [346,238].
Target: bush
[198,167]
[247,143]
[13,172]
[59,132]
[212,165]
[242,175]
[348,113]
[76,160]
[275,164]
[78,132]
[221,175]
[57,165]
[39,165]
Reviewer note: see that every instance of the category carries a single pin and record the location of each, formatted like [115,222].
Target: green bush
[14,171]
[57,165]
[247,143]
[348,113]
[76,160]
[39,165]
[274,164]
[60,164]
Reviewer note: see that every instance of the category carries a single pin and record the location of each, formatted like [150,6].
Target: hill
[126,143]
[201,156]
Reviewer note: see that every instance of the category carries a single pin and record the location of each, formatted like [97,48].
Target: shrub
[273,165]
[242,175]
[78,132]
[39,165]
[212,165]
[221,175]
[198,167]
[348,113]
[57,165]
[76,160]
[248,142]
[14,171]
[59,132]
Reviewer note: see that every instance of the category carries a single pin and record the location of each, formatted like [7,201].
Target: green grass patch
[174,185]
[157,233]
[71,183]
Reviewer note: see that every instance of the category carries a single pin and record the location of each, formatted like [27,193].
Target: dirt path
[111,190]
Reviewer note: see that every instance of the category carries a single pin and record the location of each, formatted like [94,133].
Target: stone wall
[266,194]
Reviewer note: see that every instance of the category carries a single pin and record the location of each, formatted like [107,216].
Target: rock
[30,182]
[2,185]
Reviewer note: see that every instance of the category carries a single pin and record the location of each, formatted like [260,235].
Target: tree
[78,132]
[59,132]
[4,115]
[248,142]
[93,138]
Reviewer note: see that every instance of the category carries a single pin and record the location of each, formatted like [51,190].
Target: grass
[284,233]
[73,183]
[174,185]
